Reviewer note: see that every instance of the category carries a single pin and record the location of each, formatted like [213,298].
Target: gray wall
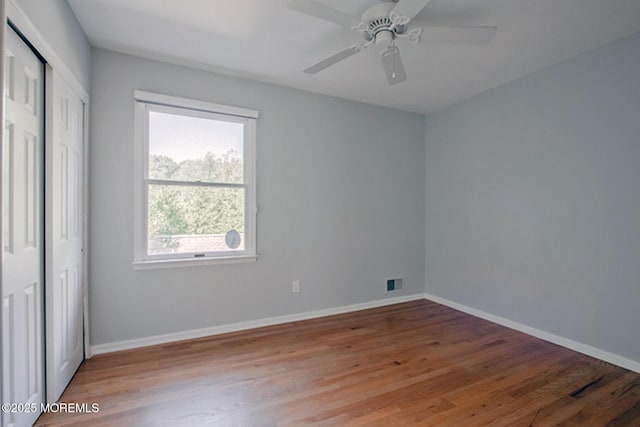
[58,25]
[340,191]
[533,200]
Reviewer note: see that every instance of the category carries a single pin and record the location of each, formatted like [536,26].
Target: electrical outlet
[295,286]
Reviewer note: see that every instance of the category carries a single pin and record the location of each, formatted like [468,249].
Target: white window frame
[146,102]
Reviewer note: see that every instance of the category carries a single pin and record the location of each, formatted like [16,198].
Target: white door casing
[22,333]
[64,234]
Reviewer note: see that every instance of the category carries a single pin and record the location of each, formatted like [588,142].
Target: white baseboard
[606,356]
[240,326]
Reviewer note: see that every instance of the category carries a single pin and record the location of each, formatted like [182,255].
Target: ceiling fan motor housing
[379,26]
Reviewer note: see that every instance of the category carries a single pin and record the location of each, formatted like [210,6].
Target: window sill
[192,262]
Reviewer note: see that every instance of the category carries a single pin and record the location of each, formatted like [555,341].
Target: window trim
[148,101]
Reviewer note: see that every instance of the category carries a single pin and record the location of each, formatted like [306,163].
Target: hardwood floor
[417,363]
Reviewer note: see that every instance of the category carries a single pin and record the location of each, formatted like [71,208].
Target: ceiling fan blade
[458,35]
[393,65]
[410,8]
[319,10]
[326,63]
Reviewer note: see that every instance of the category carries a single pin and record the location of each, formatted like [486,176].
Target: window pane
[185,219]
[183,148]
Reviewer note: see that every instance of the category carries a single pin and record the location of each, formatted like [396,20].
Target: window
[195,172]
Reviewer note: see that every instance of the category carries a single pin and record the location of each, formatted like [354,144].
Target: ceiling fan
[383,24]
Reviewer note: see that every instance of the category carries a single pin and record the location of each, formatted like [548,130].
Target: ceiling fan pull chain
[392,50]
[393,67]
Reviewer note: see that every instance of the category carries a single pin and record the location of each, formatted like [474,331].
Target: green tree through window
[177,210]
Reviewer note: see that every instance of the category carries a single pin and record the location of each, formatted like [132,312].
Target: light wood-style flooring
[416,363]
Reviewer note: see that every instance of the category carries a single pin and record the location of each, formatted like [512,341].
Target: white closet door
[22,334]
[64,314]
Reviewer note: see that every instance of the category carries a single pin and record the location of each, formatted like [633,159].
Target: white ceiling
[263,40]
